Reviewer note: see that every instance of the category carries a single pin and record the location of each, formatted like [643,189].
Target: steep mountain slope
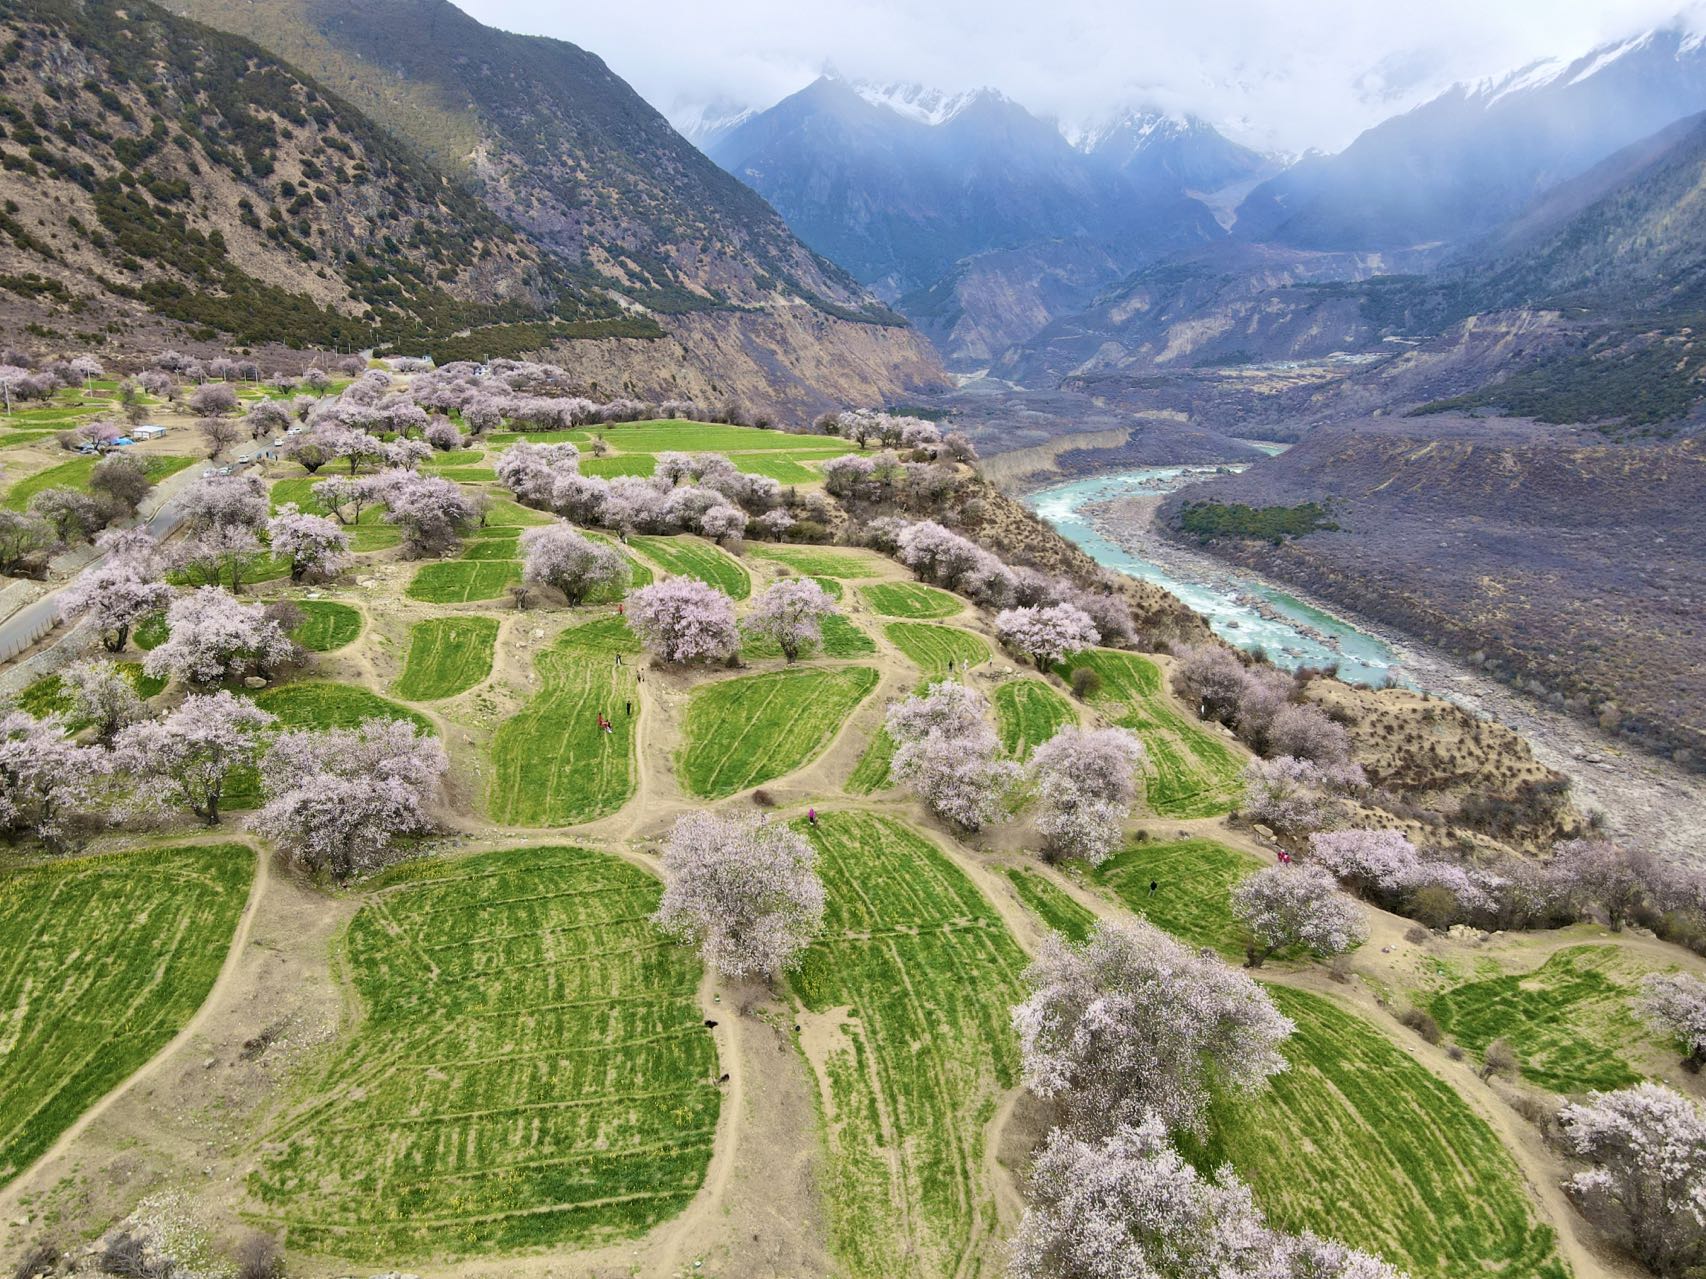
[560,147]
[155,167]
[1457,167]
[980,219]
[1583,309]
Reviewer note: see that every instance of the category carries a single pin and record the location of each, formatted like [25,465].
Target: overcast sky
[1287,75]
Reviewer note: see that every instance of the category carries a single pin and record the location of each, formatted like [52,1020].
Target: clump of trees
[790,613]
[559,557]
[1284,906]
[947,752]
[214,637]
[1129,1206]
[317,548]
[121,590]
[337,801]
[1085,781]
[745,890]
[683,620]
[184,758]
[1261,705]
[1646,1179]
[1675,1005]
[1131,1025]
[1047,634]
[45,776]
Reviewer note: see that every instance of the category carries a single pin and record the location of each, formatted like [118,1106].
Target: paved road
[36,618]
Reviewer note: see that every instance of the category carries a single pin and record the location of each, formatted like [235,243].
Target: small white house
[147,432]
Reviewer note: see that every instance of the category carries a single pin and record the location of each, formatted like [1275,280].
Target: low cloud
[1291,77]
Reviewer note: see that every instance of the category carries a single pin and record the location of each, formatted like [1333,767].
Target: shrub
[1422,1022]
[1086,682]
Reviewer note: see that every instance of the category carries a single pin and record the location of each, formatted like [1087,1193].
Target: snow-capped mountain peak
[704,124]
[917,102]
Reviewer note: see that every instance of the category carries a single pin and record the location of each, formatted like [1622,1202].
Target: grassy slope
[928,973]
[1191,772]
[1360,1142]
[530,1068]
[1568,1020]
[447,656]
[105,958]
[551,765]
[740,732]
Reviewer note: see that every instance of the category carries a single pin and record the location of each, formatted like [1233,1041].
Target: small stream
[1242,610]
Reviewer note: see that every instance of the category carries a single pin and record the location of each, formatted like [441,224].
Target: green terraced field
[1051,904]
[493,548]
[530,1069]
[75,474]
[463,581]
[323,704]
[872,771]
[919,974]
[607,468]
[706,437]
[1569,1020]
[910,600]
[840,639]
[447,656]
[370,532]
[1193,898]
[262,566]
[740,732]
[105,959]
[327,625]
[46,696]
[1191,772]
[1027,713]
[784,469]
[504,513]
[551,766]
[931,646]
[815,561]
[1361,1142]
[687,556]
[17,439]
[454,457]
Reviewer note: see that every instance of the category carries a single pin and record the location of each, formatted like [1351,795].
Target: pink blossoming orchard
[571,834]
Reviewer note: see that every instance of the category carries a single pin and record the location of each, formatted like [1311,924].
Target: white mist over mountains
[1279,78]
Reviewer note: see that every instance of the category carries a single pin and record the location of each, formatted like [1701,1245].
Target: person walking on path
[811,816]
